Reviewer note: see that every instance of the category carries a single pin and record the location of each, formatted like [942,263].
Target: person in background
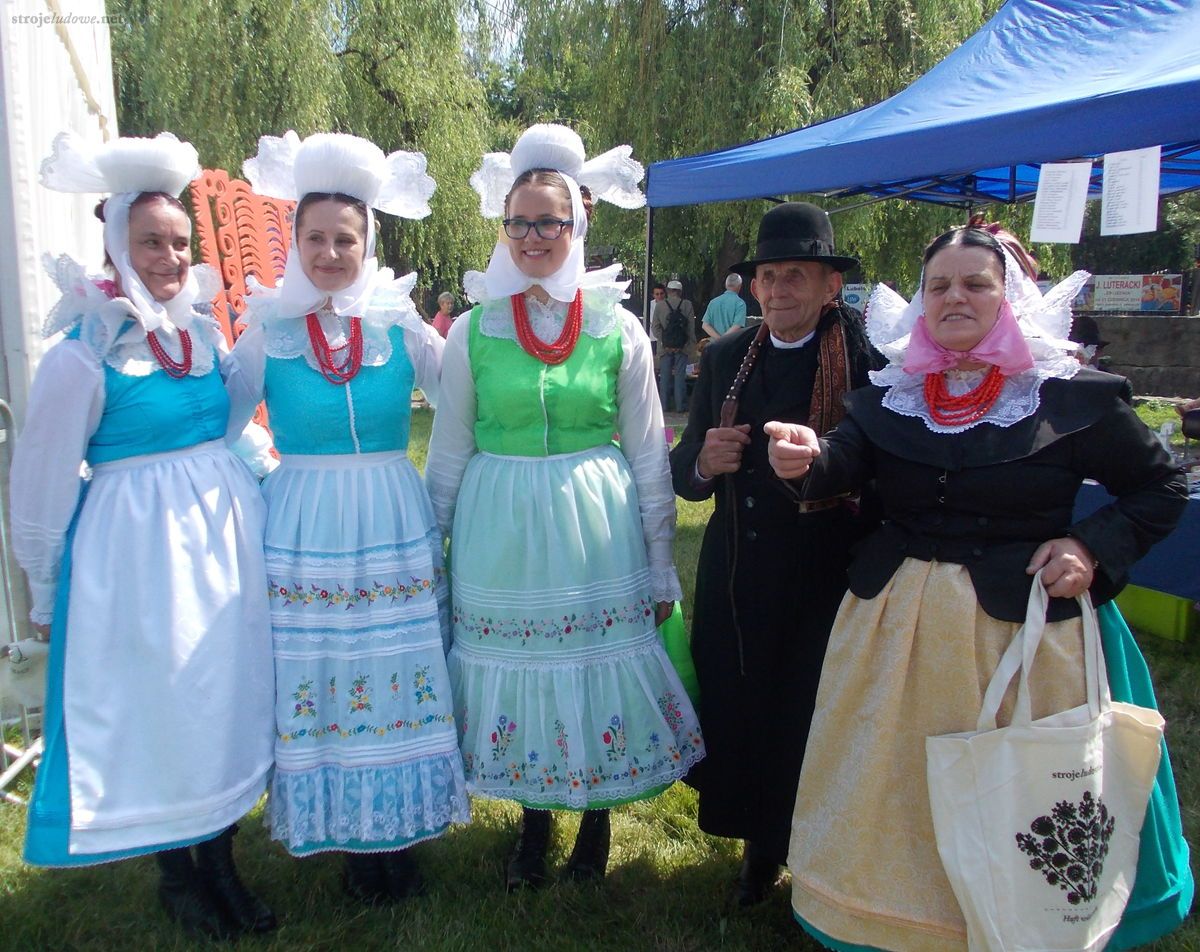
[673,325]
[561,561]
[445,313]
[771,572]
[726,313]
[149,576]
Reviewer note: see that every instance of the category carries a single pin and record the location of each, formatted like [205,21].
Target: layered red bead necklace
[560,349]
[949,410]
[177,369]
[324,353]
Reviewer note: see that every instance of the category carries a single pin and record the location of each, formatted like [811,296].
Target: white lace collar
[285,335]
[115,330]
[600,315]
[1019,398]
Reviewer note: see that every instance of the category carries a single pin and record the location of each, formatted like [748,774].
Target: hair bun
[98,211]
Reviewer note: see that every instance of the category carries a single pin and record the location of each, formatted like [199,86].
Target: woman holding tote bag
[978,433]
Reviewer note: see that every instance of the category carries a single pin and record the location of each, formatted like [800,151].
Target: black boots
[758,875]
[214,866]
[527,867]
[376,878]
[364,879]
[589,858]
[401,874]
[207,898]
[186,899]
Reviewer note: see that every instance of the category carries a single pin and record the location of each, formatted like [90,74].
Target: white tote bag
[1038,823]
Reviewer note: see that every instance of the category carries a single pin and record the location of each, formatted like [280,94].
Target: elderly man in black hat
[772,569]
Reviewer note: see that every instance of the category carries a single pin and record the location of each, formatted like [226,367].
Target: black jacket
[989,496]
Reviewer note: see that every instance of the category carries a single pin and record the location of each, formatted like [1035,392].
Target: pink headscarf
[1004,346]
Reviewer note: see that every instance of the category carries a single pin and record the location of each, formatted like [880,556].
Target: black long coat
[757,691]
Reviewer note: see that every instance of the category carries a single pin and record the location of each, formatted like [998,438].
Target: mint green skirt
[564,697]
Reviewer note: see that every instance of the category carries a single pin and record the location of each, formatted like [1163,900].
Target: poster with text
[1142,293]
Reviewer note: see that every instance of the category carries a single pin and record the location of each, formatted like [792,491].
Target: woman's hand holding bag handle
[1038,823]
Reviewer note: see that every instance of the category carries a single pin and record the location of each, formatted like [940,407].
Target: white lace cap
[127,168]
[161,164]
[612,177]
[332,162]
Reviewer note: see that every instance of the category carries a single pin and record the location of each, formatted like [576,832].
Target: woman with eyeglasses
[548,470]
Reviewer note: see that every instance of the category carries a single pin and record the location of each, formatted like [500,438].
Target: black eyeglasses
[547,228]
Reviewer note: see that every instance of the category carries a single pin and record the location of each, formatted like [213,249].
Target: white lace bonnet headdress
[124,169]
[612,177]
[1044,320]
[328,163]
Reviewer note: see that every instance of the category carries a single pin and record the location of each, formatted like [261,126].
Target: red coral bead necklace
[558,351]
[949,410]
[174,368]
[352,363]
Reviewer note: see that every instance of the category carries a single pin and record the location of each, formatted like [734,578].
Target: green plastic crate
[1156,613]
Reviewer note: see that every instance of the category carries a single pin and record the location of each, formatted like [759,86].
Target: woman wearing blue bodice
[366,745]
[149,575]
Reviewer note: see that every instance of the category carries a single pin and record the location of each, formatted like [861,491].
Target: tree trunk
[733,250]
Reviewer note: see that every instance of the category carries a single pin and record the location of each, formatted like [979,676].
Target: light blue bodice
[157,413]
[370,414]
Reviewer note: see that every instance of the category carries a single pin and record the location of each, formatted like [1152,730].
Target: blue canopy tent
[1042,81]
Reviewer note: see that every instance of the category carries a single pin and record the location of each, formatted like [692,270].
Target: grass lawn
[666,890]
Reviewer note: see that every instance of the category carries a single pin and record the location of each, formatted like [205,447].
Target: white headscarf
[328,163]
[126,168]
[611,177]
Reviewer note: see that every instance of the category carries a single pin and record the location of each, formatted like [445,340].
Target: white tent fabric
[56,76]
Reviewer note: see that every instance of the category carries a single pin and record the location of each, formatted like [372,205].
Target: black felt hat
[795,231]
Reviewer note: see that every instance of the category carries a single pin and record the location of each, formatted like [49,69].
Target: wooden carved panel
[240,234]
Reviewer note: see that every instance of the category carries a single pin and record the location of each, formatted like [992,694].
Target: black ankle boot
[401,875]
[758,875]
[186,899]
[214,863]
[527,867]
[589,858]
[364,878]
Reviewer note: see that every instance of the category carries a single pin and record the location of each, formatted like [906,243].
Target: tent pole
[649,259]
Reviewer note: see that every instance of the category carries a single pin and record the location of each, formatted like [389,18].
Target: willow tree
[409,86]
[677,77]
[221,73]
